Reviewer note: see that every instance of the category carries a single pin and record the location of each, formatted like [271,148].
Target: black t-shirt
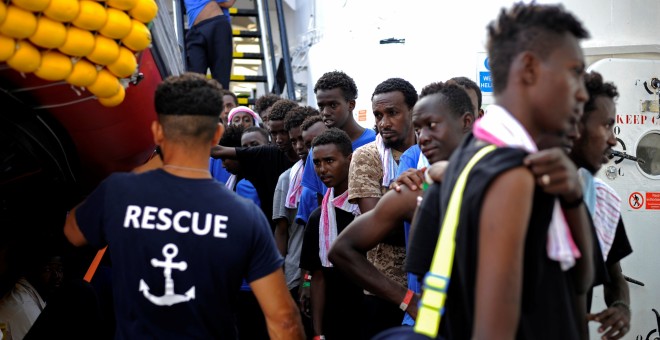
[343,298]
[620,249]
[547,305]
[262,166]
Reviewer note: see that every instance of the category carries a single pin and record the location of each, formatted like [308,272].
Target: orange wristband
[406,300]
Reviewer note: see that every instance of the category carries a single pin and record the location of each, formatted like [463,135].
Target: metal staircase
[254,70]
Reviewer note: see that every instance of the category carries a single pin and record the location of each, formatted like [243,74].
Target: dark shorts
[209,45]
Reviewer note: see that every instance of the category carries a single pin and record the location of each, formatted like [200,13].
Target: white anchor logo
[169,251]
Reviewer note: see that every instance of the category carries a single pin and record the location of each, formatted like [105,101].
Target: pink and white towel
[231,182]
[386,158]
[604,206]
[295,185]
[328,223]
[500,128]
[255,117]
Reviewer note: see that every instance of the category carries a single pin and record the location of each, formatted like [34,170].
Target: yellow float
[49,33]
[3,11]
[54,66]
[78,42]
[106,85]
[32,5]
[115,100]
[18,23]
[106,51]
[83,73]
[144,11]
[26,58]
[125,64]
[7,47]
[118,24]
[62,10]
[124,5]
[92,16]
[138,38]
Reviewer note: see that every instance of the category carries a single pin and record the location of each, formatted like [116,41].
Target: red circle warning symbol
[636,200]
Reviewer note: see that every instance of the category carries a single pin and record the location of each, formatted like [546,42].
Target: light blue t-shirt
[194,7]
[312,184]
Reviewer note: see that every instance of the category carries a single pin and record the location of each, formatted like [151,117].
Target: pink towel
[295,185]
[328,222]
[500,128]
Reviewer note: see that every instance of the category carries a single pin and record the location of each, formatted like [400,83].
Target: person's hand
[555,173]
[305,301]
[437,171]
[614,322]
[411,178]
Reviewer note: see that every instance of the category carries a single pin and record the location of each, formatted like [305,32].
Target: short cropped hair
[337,137]
[454,95]
[338,79]
[400,85]
[232,136]
[229,93]
[187,107]
[281,108]
[295,117]
[309,121]
[597,88]
[265,102]
[467,83]
[527,27]
[260,130]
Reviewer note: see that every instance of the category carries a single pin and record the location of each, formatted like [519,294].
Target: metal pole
[267,45]
[177,9]
[288,73]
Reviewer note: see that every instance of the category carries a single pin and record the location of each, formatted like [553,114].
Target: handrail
[178,10]
[267,45]
[288,73]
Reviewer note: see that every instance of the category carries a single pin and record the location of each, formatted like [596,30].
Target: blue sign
[486,64]
[485,82]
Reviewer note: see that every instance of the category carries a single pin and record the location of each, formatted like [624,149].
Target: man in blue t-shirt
[336,93]
[178,256]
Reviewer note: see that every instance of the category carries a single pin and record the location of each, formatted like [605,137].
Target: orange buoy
[78,42]
[125,64]
[31,5]
[26,58]
[106,51]
[92,16]
[144,11]
[106,85]
[83,73]
[3,12]
[138,38]
[115,100]
[7,47]
[118,24]
[18,23]
[62,10]
[124,5]
[54,66]
[49,33]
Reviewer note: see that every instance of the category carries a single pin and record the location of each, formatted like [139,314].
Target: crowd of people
[443,221]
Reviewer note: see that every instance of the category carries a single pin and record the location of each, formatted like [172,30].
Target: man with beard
[442,116]
[373,168]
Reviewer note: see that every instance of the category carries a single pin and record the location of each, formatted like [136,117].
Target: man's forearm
[282,235]
[617,289]
[583,272]
[219,151]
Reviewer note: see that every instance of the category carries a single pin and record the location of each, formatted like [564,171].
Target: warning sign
[653,200]
[362,116]
[636,200]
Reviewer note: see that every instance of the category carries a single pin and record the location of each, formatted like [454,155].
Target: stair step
[241,55]
[246,34]
[238,12]
[243,101]
[251,79]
